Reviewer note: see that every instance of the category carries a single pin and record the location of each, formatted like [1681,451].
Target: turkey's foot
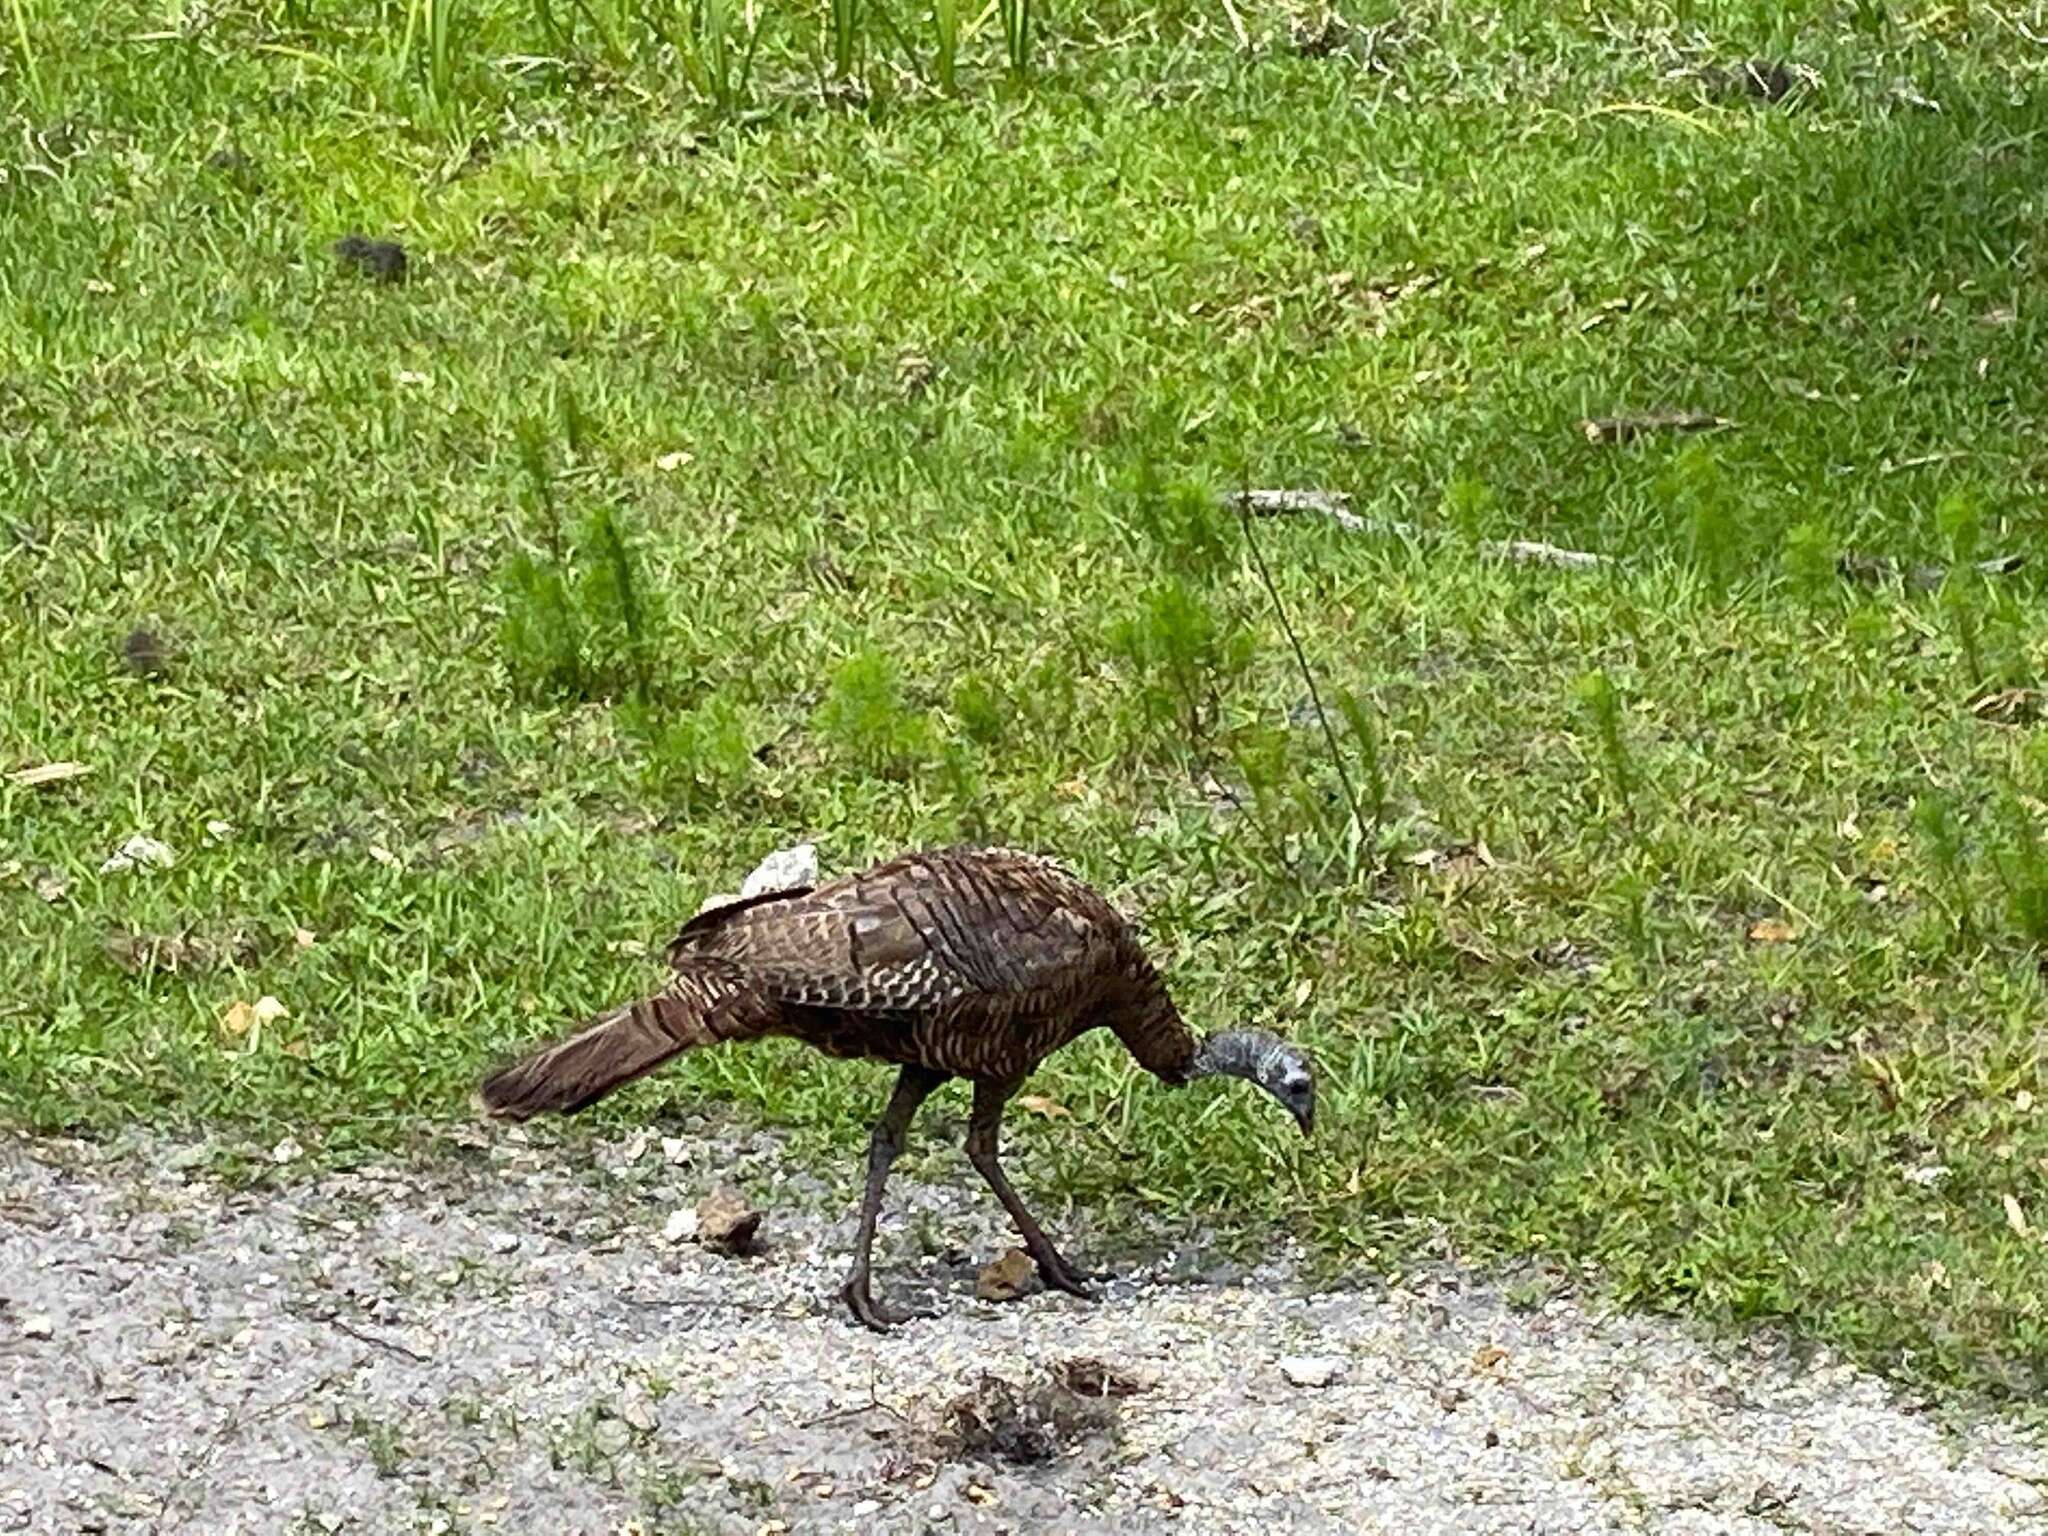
[870,1313]
[1059,1275]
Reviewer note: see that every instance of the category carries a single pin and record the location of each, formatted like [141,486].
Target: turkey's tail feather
[611,1051]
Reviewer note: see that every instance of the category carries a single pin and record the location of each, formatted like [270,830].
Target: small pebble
[1313,1370]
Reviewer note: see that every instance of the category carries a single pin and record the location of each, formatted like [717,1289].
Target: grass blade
[946,25]
[846,28]
[1017,34]
[26,48]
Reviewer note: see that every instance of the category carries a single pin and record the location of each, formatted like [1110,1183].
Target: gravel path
[503,1337]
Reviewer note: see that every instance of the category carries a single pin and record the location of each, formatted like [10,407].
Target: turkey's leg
[984,1136]
[913,1086]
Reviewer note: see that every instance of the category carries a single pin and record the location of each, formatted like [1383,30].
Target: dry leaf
[725,1223]
[1487,1357]
[146,954]
[2014,1216]
[913,371]
[1039,1104]
[383,855]
[138,852]
[247,1018]
[2012,706]
[1007,1278]
[52,888]
[1457,859]
[47,773]
[674,460]
[1772,930]
[169,954]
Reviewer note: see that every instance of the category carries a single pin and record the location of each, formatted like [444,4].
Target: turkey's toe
[871,1313]
[1059,1275]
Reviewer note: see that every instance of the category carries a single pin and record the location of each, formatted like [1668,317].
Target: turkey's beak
[1305,1117]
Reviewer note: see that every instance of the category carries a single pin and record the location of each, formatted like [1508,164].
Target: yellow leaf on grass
[2014,1216]
[243,1017]
[1772,930]
[1039,1104]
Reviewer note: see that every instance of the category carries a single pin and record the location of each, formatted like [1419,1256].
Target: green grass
[865,385]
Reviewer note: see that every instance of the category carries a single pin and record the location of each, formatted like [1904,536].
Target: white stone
[1313,1370]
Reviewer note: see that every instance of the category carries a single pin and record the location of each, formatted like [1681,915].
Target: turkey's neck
[1233,1053]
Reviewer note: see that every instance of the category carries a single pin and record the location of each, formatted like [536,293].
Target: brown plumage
[957,962]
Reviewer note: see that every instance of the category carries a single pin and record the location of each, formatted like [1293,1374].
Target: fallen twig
[377,1342]
[1874,570]
[1334,505]
[47,773]
[854,1410]
[1536,552]
[1870,570]
[1625,429]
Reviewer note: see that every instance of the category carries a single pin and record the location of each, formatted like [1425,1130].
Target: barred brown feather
[975,962]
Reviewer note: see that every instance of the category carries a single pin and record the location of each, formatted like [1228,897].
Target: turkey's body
[958,962]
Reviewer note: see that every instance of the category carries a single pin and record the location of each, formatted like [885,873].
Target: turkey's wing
[924,934]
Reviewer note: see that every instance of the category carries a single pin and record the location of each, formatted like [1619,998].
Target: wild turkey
[956,962]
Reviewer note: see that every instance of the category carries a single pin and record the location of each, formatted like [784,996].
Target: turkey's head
[1281,1069]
